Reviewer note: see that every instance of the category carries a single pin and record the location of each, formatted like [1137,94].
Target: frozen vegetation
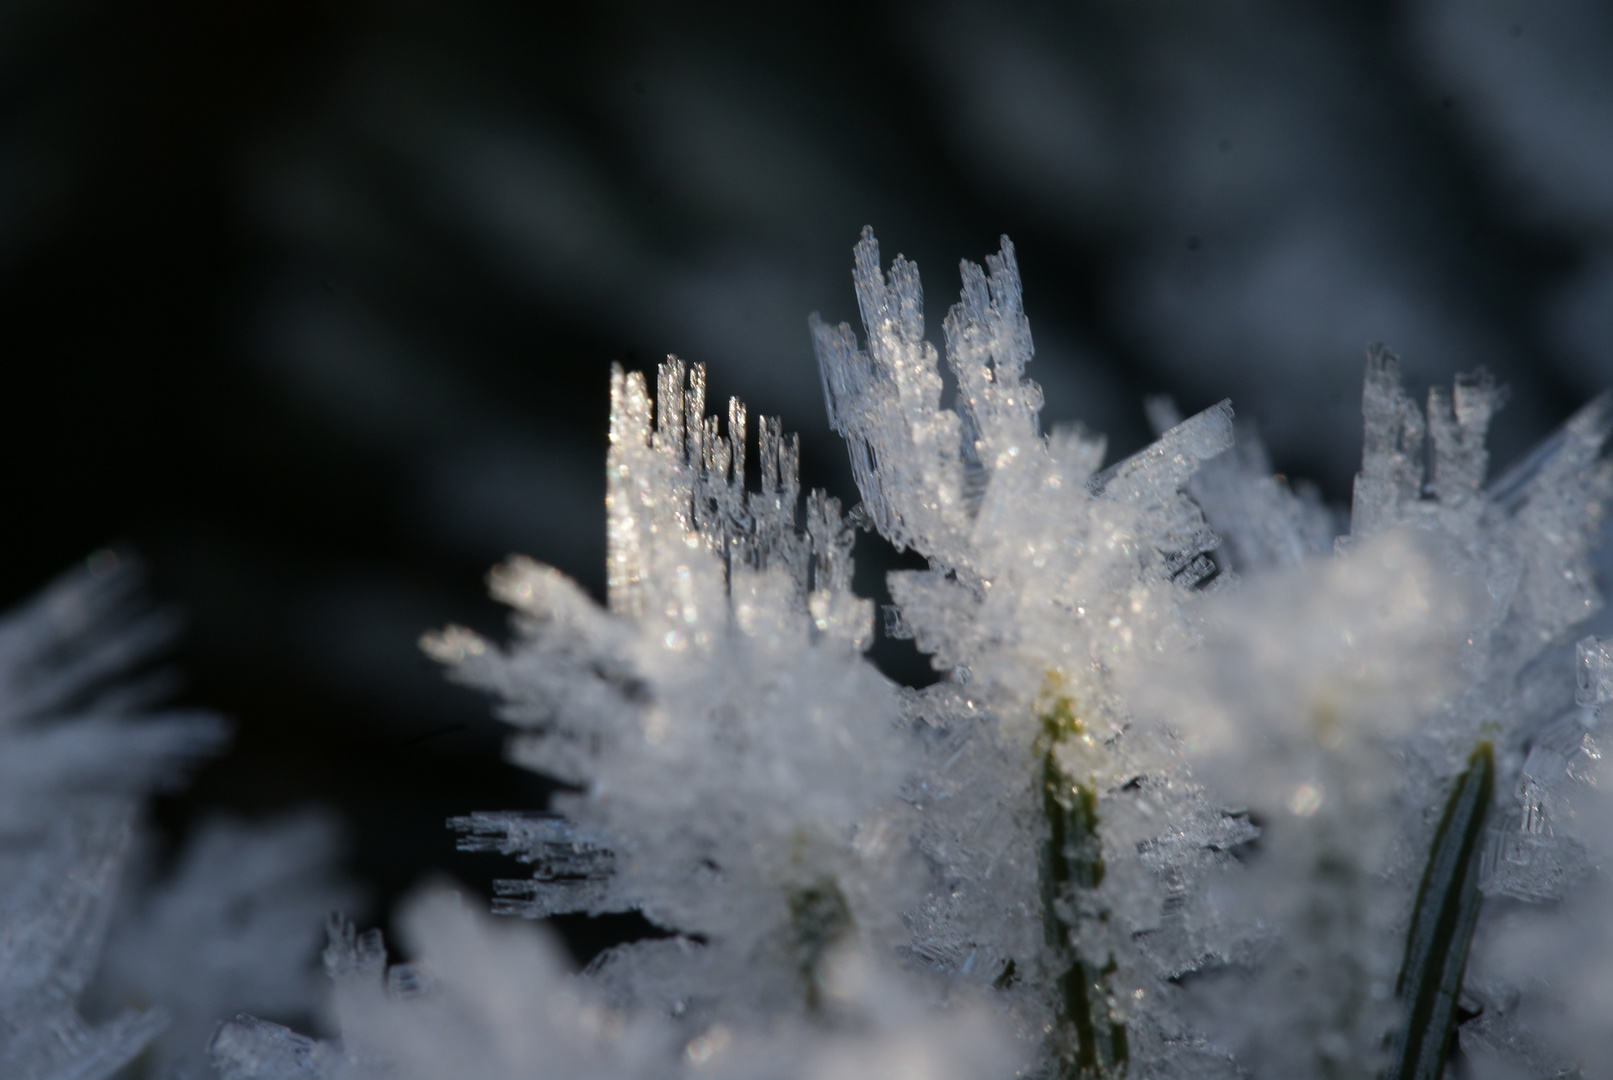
[1204,790]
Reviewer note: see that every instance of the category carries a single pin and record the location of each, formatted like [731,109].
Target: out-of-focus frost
[494,1001]
[162,961]
[1305,682]
[77,751]
[1337,700]
[234,928]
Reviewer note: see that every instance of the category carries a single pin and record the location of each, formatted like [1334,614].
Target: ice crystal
[738,757]
[1203,790]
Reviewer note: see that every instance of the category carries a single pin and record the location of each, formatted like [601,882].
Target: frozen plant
[1202,792]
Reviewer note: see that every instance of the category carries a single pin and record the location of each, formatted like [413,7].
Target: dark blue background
[314,303]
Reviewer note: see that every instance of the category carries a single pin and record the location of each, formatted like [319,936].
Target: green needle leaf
[1442,926]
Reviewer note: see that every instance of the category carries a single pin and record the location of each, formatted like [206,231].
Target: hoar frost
[1204,790]
[1170,810]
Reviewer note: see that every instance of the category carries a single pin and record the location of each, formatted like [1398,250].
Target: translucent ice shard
[1392,470]
[1155,479]
[907,453]
[1263,522]
[247,1048]
[570,872]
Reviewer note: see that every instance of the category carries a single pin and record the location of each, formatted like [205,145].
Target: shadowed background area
[313,304]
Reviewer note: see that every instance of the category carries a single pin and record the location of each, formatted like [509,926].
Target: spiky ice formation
[740,762]
[1046,575]
[1063,827]
[1523,542]
[1303,687]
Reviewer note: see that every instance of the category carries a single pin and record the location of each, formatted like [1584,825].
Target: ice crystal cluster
[1204,789]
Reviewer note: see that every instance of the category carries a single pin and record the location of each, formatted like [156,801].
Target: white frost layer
[492,1000]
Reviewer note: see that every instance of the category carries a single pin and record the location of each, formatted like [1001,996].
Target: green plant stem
[1072,859]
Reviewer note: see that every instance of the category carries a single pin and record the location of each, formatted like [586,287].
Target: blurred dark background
[313,304]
